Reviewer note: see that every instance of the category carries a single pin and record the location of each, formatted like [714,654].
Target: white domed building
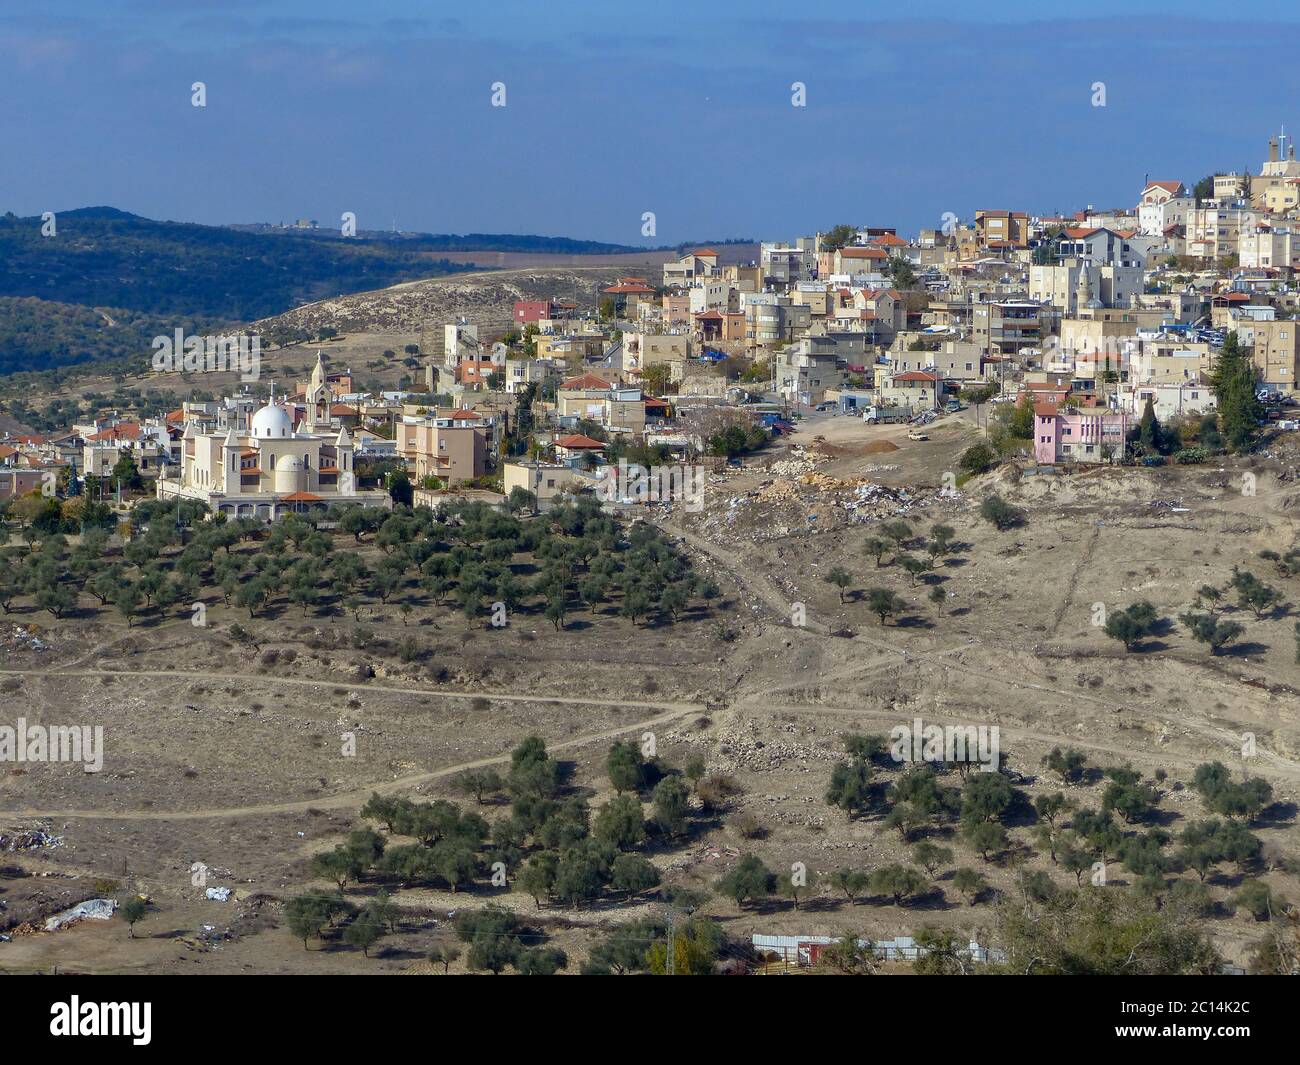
[270,469]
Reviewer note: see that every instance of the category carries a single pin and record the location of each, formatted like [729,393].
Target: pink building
[532,311]
[1086,434]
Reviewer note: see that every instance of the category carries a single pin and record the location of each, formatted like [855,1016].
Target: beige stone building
[548,481]
[453,448]
[1277,354]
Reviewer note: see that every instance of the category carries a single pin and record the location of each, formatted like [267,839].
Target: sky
[682,109]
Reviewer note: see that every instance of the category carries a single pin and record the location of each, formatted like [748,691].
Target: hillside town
[624,600]
[1093,321]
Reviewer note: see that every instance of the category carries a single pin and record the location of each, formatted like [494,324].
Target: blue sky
[316,107]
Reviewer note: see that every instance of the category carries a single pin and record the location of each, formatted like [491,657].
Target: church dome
[272,421]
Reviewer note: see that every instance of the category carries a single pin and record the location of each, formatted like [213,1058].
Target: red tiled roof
[863,253]
[125,431]
[889,240]
[585,382]
[1170,187]
[301,497]
[705,253]
[578,442]
[915,375]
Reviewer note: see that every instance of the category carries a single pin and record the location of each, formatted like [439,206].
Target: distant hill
[42,335]
[432,243]
[102,257]
[108,281]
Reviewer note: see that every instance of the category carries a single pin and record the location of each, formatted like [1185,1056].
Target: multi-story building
[802,372]
[454,447]
[1277,354]
[1086,434]
[614,407]
[1002,229]
[1214,229]
[1074,283]
[691,268]
[1163,204]
[1005,328]
[1268,247]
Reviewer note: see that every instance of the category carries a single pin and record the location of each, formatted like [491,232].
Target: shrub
[1000,513]
[977,458]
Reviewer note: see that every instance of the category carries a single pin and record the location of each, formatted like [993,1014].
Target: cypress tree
[1233,382]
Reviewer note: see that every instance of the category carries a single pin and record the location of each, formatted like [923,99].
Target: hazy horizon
[682,111]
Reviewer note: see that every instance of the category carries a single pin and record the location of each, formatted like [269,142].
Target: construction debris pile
[20,638]
[813,502]
[31,840]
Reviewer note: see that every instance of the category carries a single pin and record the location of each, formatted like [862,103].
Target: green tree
[969,882]
[747,881]
[839,577]
[1233,381]
[132,911]
[883,603]
[364,931]
[670,802]
[899,882]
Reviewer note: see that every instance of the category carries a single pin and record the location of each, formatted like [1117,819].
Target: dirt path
[669,711]
[357,797]
[1085,560]
[750,579]
[186,676]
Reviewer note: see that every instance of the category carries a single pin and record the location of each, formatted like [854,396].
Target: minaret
[1083,292]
